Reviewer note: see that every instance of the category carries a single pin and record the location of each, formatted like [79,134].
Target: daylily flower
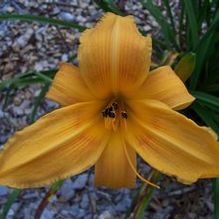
[112,109]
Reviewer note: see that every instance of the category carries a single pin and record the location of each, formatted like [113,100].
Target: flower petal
[62,143]
[164,85]
[172,143]
[112,169]
[113,56]
[68,87]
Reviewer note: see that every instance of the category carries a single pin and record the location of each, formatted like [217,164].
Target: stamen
[115,105]
[115,115]
[135,171]
[124,114]
[112,115]
[104,113]
[110,108]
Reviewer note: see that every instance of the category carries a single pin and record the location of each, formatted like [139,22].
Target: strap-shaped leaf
[42,19]
[166,28]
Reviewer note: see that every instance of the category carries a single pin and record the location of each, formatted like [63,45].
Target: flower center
[115,115]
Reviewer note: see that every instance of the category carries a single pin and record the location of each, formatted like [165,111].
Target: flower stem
[143,197]
[52,191]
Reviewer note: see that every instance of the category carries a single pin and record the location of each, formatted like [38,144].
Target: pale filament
[136,172]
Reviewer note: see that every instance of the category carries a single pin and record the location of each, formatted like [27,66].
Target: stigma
[115,115]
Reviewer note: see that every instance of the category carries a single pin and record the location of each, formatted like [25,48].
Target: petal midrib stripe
[114,56]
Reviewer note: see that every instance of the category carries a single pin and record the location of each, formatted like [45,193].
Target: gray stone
[64,57]
[88,216]
[105,215]
[47,214]
[1,114]
[67,190]
[75,210]
[84,201]
[3,139]
[80,181]
[121,207]
[67,16]
[80,18]
[55,11]
[3,190]
[23,39]
[13,210]
[81,213]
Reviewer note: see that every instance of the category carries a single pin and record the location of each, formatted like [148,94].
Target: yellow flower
[113,108]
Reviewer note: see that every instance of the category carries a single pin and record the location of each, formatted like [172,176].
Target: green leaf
[11,199]
[209,100]
[169,13]
[193,26]
[38,101]
[109,6]
[56,186]
[45,201]
[205,13]
[147,196]
[28,78]
[181,22]
[214,26]
[202,51]
[166,28]
[185,66]
[206,116]
[44,77]
[42,19]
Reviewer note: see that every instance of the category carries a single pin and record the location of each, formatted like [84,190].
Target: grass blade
[143,196]
[28,78]
[169,12]
[44,77]
[166,28]
[109,6]
[11,199]
[202,51]
[193,25]
[212,29]
[205,14]
[205,115]
[147,196]
[208,99]
[38,102]
[201,55]
[52,191]
[41,19]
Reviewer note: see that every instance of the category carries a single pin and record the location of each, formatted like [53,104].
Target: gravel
[28,46]
[3,191]
[80,181]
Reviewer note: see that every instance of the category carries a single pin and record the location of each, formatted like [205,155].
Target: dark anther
[104,113]
[115,105]
[110,108]
[112,115]
[107,110]
[124,115]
